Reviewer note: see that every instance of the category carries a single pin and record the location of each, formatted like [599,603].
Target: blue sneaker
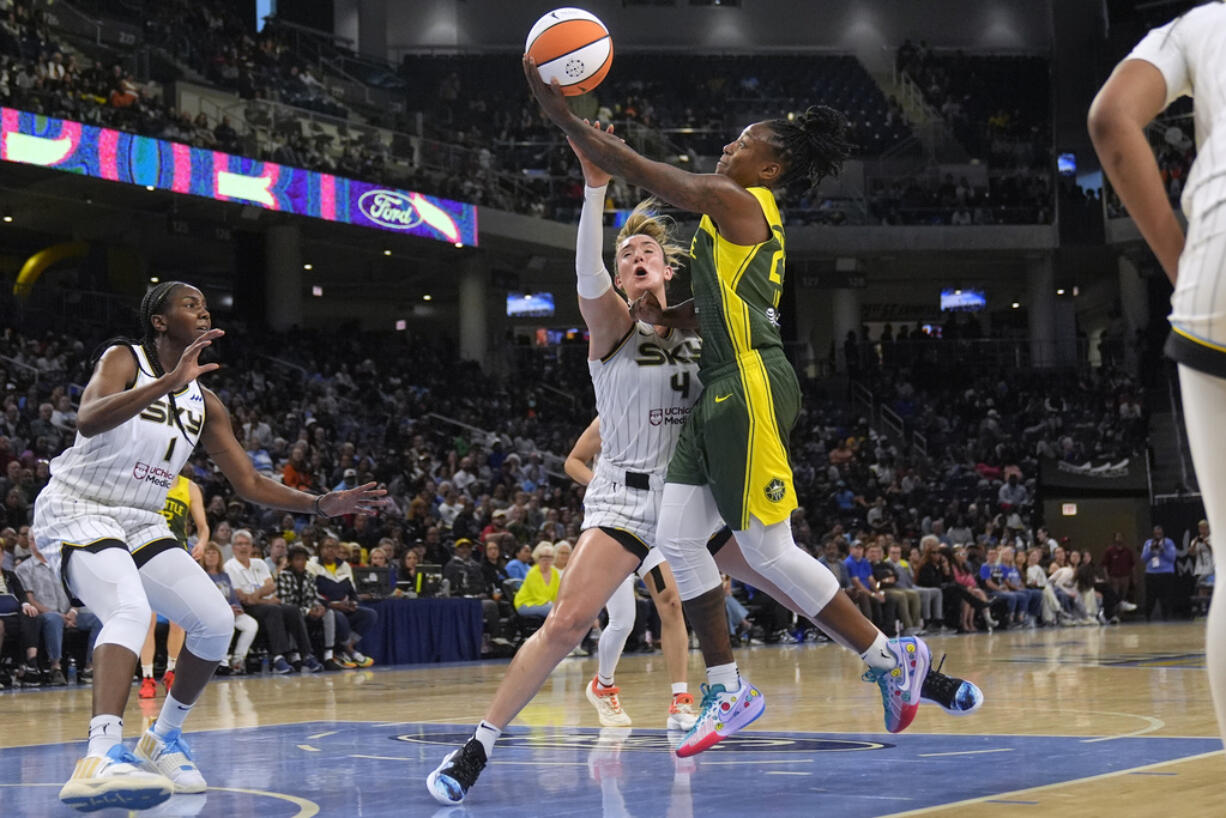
[723,713]
[117,779]
[955,696]
[901,685]
[282,666]
[452,779]
[311,665]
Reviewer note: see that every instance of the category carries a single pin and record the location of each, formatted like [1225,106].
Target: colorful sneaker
[608,705]
[681,715]
[148,688]
[360,659]
[168,680]
[955,696]
[723,713]
[170,756]
[344,661]
[900,686]
[452,779]
[116,779]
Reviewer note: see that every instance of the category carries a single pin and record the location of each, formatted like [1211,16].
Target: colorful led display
[104,153]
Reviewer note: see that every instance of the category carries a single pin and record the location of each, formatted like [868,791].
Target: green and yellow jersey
[737,290]
[177,508]
[736,438]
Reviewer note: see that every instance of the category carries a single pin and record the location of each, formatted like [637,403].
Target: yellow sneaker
[116,779]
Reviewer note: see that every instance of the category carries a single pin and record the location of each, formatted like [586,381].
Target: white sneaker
[1126,606]
[116,779]
[171,757]
[608,705]
[681,715]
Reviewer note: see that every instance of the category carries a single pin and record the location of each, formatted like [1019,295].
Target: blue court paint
[377,769]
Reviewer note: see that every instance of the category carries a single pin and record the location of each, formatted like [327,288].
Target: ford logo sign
[389,209]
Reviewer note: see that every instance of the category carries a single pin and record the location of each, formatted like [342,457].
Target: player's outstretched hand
[647,308]
[365,500]
[551,98]
[592,175]
[189,367]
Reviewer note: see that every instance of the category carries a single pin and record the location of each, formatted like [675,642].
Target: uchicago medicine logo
[389,209]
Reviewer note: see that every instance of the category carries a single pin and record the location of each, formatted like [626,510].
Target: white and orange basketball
[572,46]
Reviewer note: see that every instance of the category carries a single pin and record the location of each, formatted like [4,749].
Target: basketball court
[1074,719]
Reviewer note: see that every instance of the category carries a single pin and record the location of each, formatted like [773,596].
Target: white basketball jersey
[1190,51]
[134,464]
[645,389]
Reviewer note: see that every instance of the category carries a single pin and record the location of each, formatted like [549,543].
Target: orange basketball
[572,46]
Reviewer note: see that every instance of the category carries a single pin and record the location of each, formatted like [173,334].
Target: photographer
[1158,554]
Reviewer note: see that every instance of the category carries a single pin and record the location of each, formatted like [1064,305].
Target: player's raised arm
[221,444]
[603,309]
[732,207]
[1133,95]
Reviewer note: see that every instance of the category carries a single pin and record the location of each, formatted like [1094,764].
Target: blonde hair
[543,549]
[644,220]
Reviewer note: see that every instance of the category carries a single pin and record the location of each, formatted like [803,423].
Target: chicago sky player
[141,416]
[1184,56]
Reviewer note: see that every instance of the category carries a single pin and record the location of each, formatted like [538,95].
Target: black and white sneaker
[955,696]
[450,782]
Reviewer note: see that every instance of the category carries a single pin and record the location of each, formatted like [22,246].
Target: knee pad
[208,637]
[771,551]
[127,625]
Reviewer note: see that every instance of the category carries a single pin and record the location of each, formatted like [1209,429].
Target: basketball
[572,46]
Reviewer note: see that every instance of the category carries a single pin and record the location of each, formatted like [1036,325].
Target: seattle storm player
[141,415]
[1183,57]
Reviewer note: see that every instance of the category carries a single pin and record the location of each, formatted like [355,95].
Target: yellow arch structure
[36,264]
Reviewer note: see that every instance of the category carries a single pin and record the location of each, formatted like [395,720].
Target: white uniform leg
[109,584]
[1204,407]
[771,551]
[179,589]
[688,517]
[613,638]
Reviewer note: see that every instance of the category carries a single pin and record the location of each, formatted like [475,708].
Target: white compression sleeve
[592,279]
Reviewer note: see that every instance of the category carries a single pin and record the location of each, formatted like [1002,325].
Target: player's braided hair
[646,220]
[812,146]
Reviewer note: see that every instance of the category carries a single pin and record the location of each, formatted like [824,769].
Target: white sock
[170,664]
[105,732]
[146,671]
[726,675]
[172,716]
[680,687]
[327,654]
[487,734]
[294,657]
[605,681]
[879,654]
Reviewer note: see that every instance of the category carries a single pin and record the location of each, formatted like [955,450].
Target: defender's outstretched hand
[365,500]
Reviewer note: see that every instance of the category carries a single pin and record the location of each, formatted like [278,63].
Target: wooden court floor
[1077,722]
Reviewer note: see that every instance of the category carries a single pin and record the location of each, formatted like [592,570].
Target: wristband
[319,512]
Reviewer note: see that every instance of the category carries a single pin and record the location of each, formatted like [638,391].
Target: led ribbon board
[103,153]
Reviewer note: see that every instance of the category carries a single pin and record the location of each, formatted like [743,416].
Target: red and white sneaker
[723,713]
[148,688]
[168,679]
[681,715]
[608,705]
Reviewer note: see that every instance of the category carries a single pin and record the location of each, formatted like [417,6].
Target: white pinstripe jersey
[1190,51]
[134,464]
[645,388]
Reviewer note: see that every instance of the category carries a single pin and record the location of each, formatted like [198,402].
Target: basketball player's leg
[104,577]
[1204,406]
[597,567]
[148,689]
[179,587]
[601,691]
[674,639]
